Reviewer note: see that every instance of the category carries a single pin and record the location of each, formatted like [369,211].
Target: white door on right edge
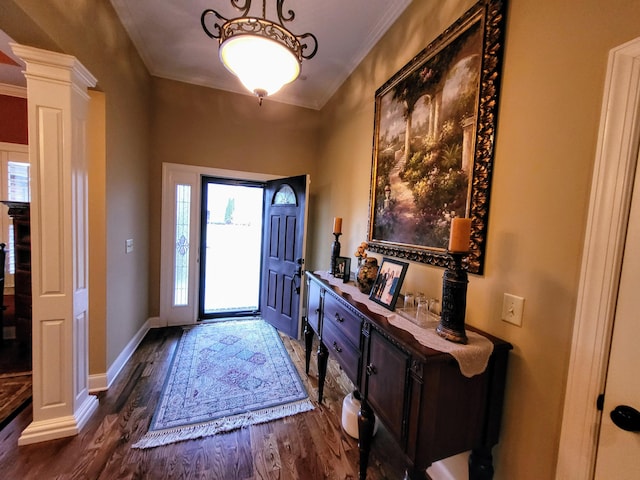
[618,454]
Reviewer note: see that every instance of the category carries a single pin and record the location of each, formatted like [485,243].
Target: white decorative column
[57,108]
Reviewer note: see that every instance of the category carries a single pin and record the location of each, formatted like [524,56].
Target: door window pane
[232,246]
[183,208]
[285,196]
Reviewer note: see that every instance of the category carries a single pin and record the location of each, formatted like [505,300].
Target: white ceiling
[172,44]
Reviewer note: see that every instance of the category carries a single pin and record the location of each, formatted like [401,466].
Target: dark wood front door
[285,207]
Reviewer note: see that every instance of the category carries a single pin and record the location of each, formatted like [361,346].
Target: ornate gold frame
[490,15]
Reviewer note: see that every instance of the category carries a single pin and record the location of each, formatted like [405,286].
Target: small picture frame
[343,268]
[387,286]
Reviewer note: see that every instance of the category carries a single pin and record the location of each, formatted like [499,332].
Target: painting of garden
[425,144]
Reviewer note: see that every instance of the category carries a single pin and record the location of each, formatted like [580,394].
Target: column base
[60,427]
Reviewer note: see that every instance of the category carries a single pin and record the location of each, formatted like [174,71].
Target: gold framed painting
[434,134]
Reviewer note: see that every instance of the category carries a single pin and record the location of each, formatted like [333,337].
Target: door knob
[298,272]
[626,417]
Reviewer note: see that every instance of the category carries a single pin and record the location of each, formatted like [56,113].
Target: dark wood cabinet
[385,377]
[429,407]
[20,213]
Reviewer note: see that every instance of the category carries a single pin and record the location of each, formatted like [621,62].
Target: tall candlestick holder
[335,251]
[454,299]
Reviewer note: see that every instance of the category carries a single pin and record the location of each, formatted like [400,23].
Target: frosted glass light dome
[263,54]
[263,65]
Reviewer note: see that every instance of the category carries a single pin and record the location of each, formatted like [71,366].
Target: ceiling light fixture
[263,54]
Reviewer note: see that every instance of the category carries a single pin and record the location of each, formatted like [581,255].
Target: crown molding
[13,90]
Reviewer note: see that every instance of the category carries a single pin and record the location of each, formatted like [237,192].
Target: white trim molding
[14,147]
[98,382]
[612,185]
[154,322]
[103,381]
[174,174]
[13,90]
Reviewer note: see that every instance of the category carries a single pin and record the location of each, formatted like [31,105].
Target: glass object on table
[409,301]
[434,306]
[422,310]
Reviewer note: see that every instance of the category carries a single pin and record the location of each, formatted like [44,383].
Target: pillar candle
[337,225]
[460,235]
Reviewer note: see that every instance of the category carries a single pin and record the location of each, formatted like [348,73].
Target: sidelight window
[182,224]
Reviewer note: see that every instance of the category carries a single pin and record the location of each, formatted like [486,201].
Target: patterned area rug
[225,375]
[15,390]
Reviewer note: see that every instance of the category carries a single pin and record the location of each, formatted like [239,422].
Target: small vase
[366,274]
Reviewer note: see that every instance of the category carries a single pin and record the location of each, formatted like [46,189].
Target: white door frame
[172,174]
[610,202]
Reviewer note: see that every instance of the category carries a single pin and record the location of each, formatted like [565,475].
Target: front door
[283,247]
[619,449]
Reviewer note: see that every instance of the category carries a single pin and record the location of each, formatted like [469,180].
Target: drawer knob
[371,369]
[339,319]
[336,347]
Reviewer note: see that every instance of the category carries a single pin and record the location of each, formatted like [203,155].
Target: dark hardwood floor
[15,368]
[307,446]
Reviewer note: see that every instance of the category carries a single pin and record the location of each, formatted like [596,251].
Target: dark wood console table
[428,406]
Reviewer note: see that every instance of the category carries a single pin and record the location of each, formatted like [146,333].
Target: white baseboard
[48,430]
[98,383]
[62,427]
[102,381]
[154,322]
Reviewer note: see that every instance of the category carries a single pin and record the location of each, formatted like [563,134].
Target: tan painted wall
[96,147]
[212,128]
[555,61]
[92,33]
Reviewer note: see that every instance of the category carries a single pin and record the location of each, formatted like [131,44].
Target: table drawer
[342,319]
[343,351]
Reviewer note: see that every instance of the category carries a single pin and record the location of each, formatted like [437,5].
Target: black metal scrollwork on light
[262,53]
[215,25]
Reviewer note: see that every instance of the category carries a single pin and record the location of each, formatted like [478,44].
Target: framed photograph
[388,282]
[434,133]
[343,268]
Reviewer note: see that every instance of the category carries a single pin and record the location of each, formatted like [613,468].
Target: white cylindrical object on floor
[350,409]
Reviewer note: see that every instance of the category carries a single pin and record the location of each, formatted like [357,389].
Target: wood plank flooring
[307,446]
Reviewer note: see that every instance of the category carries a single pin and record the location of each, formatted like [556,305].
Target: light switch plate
[512,309]
[128,245]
